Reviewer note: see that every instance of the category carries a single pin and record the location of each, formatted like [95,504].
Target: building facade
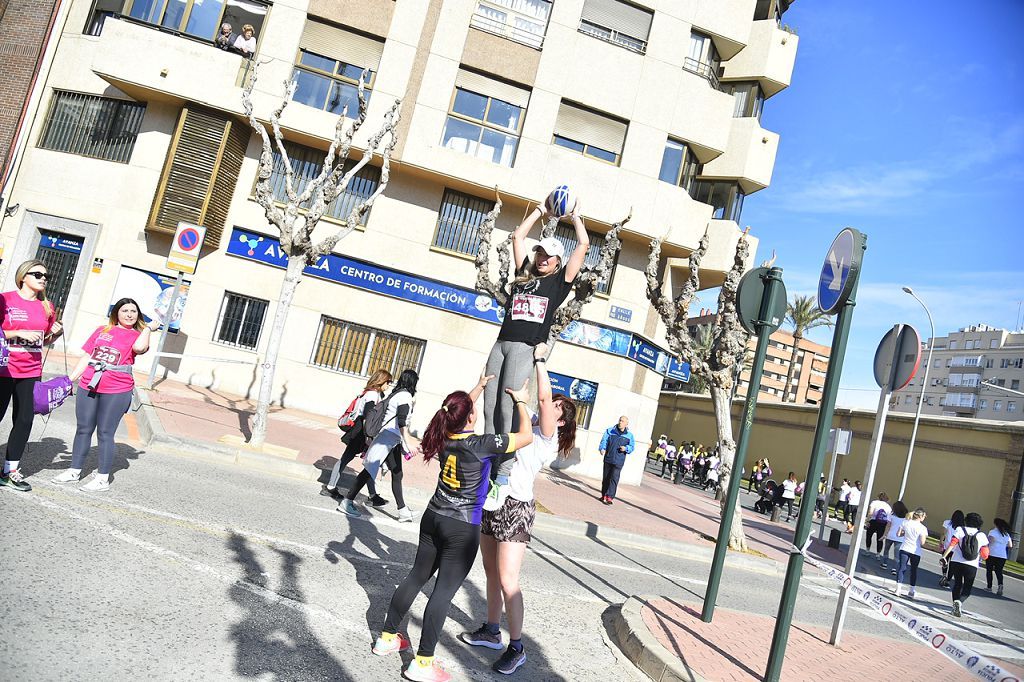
[969,368]
[808,379]
[652,106]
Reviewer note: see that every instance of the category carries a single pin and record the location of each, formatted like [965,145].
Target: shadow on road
[271,638]
[44,456]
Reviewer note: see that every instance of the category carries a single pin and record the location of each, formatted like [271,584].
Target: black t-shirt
[531,307]
[465,472]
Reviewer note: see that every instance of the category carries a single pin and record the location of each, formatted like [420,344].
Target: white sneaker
[899,590]
[66,476]
[911,594]
[96,486]
[405,515]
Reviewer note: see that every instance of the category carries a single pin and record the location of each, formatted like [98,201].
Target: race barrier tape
[927,631]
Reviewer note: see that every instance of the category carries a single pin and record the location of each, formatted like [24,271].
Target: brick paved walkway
[736,645]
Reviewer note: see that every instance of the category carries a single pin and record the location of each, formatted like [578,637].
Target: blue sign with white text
[578,389]
[61,242]
[620,314]
[678,370]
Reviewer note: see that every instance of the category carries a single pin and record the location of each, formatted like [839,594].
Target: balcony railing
[611,36]
[704,70]
[513,19]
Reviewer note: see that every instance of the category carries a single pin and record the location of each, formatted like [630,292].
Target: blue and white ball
[561,201]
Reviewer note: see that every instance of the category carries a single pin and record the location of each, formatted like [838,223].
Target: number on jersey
[449,474]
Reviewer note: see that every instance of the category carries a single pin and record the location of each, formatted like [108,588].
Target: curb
[643,650]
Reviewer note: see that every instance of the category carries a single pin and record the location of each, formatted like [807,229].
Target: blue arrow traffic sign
[839,272]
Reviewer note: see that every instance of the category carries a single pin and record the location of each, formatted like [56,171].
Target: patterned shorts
[512,523]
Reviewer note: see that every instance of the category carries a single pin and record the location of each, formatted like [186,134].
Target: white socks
[11,465]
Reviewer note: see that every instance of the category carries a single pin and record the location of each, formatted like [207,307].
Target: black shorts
[512,523]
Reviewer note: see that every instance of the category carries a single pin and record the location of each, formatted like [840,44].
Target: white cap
[552,247]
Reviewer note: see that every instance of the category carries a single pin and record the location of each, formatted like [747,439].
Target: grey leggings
[99,412]
[510,362]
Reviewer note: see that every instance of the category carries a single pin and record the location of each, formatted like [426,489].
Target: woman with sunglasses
[29,323]
[105,391]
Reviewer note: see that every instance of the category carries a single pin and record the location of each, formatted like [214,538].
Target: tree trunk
[720,399]
[792,366]
[292,277]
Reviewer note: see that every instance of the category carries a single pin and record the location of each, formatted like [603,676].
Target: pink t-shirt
[114,347]
[26,359]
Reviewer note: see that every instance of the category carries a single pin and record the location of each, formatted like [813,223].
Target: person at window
[106,389]
[226,38]
[536,293]
[29,322]
[245,44]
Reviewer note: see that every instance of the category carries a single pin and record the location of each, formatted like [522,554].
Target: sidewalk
[668,640]
[198,419]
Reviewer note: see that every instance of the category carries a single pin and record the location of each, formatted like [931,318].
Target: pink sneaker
[434,672]
[399,643]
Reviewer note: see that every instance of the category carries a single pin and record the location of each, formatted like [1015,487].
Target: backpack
[969,545]
[882,516]
[348,418]
[374,422]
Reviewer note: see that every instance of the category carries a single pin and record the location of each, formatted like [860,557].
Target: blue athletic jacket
[612,440]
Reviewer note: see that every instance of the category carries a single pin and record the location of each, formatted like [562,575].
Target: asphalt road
[192,569]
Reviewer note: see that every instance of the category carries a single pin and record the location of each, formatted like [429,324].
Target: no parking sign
[184,255]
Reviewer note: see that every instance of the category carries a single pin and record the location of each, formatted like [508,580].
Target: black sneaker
[483,637]
[378,501]
[330,492]
[15,480]
[510,661]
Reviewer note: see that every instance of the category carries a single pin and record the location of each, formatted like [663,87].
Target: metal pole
[764,333]
[167,327]
[784,618]
[869,480]
[920,404]
[828,487]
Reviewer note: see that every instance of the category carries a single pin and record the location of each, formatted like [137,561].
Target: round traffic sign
[188,239]
[898,357]
[840,270]
[751,305]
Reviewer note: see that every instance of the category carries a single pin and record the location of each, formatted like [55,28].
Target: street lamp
[920,402]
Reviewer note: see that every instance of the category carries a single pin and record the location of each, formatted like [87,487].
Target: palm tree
[804,315]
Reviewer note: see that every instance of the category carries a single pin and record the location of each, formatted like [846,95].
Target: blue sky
[906,121]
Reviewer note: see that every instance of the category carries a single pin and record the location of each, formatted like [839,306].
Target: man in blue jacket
[616,443]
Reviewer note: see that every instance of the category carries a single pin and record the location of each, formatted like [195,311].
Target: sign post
[838,444]
[184,255]
[761,304]
[896,361]
[837,292]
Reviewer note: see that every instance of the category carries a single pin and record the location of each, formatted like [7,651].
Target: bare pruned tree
[300,215]
[717,366]
[584,287]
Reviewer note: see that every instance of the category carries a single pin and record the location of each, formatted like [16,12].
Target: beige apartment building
[651,106]
[969,370]
[808,379]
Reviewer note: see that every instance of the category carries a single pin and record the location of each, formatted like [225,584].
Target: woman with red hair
[450,527]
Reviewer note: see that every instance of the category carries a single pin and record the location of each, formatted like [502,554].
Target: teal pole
[803,525]
[764,332]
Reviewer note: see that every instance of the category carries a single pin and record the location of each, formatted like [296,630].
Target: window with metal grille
[458,220]
[617,22]
[89,125]
[356,349]
[523,21]
[306,164]
[241,320]
[567,235]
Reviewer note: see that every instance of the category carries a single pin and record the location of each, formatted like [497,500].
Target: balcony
[768,58]
[749,156]
[614,37]
[523,21]
[703,69]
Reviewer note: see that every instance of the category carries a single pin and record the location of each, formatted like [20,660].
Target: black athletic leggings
[448,548]
[21,391]
[876,528]
[994,565]
[963,579]
[394,464]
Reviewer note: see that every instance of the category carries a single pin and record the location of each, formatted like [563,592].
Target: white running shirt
[957,555]
[788,490]
[853,498]
[894,527]
[528,463]
[998,544]
[914,534]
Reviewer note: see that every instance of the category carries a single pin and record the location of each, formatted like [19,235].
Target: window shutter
[345,46]
[483,85]
[200,173]
[619,16]
[590,128]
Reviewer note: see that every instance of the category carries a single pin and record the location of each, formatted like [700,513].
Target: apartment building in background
[969,367]
[651,106]
[808,379]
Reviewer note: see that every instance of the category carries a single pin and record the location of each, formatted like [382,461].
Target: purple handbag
[50,394]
